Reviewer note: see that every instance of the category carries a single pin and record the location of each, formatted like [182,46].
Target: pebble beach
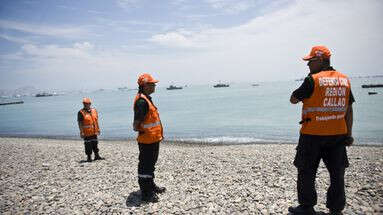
[50,176]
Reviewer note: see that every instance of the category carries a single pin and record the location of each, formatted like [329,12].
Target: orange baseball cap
[318,51]
[86,100]
[145,78]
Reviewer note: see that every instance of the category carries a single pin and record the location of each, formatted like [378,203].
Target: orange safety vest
[324,112]
[150,130]
[90,122]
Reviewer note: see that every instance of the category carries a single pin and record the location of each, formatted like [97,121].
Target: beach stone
[245,179]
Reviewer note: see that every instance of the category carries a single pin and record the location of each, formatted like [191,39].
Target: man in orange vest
[327,118]
[150,133]
[88,124]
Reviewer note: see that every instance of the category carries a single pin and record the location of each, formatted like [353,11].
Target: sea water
[241,113]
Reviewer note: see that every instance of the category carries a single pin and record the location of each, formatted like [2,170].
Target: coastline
[175,141]
[40,175]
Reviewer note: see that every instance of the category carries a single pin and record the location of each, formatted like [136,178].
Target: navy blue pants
[91,144]
[311,149]
[147,160]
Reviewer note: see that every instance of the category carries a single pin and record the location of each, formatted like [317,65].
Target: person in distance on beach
[150,133]
[327,118]
[87,119]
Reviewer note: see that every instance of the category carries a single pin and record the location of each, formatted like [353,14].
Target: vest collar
[90,110]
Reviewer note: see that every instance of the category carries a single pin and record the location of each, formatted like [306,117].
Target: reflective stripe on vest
[324,109]
[324,112]
[151,124]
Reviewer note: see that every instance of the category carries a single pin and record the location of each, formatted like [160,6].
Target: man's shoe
[98,158]
[149,198]
[302,210]
[158,189]
[89,159]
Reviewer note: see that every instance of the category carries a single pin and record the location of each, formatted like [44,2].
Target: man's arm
[349,120]
[80,118]
[81,129]
[303,92]
[140,110]
[99,130]
[293,100]
[136,125]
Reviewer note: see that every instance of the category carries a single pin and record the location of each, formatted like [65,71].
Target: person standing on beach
[327,119]
[87,119]
[150,133]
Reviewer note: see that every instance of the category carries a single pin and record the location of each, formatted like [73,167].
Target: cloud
[128,4]
[267,47]
[308,20]
[275,42]
[231,6]
[37,29]
[83,46]
[172,39]
[14,39]
[44,52]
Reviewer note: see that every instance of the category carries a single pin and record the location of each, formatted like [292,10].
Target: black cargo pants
[91,144]
[311,149]
[147,160]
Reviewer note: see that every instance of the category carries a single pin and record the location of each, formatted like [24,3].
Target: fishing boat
[173,87]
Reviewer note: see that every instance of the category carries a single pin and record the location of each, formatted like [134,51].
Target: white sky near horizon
[94,44]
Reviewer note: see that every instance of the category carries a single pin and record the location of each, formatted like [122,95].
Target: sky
[91,44]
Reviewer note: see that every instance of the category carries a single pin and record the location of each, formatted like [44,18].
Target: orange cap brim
[308,57]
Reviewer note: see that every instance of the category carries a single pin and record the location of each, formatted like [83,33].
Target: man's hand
[82,135]
[349,141]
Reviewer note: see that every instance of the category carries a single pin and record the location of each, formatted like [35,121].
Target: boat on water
[372,93]
[371,85]
[221,85]
[126,89]
[173,87]
[11,103]
[44,94]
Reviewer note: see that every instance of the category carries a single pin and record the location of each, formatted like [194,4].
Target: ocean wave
[229,140]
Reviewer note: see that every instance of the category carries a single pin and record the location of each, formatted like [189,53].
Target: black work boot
[335,212]
[147,192]
[89,159]
[158,189]
[97,157]
[301,209]
[149,197]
